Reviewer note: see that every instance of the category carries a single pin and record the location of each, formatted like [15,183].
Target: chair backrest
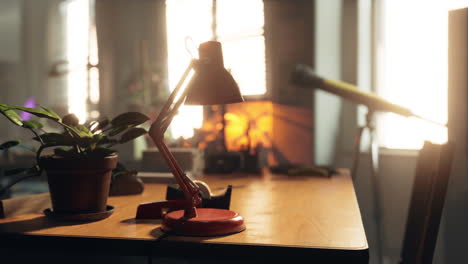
[23,205]
[427,202]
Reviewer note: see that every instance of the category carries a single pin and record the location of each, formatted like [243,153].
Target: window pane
[245,59]
[243,47]
[243,42]
[77,32]
[186,18]
[239,18]
[412,71]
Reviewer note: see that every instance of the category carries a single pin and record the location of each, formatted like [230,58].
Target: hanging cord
[190,47]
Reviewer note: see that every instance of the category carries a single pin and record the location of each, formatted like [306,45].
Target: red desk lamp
[210,84]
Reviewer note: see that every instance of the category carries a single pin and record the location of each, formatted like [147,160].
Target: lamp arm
[189,188]
[183,216]
[167,106]
[173,112]
[166,121]
[156,132]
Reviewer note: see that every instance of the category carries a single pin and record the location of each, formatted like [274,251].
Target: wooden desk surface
[311,214]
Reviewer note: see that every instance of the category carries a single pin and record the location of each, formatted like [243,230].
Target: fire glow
[248,126]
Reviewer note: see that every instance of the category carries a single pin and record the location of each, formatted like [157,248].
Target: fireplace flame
[247,126]
[276,134]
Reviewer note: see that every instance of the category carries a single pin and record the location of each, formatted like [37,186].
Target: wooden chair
[427,202]
[24,205]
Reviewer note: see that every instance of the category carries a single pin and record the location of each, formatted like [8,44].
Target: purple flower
[30,103]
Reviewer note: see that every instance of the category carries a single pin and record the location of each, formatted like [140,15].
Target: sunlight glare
[185,18]
[77,27]
[243,47]
[243,43]
[413,70]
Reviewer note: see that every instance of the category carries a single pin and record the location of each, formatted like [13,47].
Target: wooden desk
[310,218]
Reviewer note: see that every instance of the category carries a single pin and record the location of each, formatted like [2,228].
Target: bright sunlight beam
[242,40]
[77,30]
[413,70]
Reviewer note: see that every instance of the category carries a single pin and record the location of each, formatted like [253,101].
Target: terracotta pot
[79,185]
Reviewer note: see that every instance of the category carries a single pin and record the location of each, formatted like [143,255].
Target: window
[242,39]
[243,42]
[412,69]
[81,59]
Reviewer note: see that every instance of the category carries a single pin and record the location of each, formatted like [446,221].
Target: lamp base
[209,222]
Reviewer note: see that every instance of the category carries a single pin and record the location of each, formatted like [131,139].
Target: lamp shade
[212,83]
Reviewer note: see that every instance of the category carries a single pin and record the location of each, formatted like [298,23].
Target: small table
[305,217]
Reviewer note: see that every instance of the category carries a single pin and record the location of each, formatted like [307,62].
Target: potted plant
[80,166]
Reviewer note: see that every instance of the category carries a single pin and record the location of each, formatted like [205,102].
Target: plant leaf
[55,139]
[129,119]
[77,132]
[28,171]
[101,125]
[91,125]
[37,112]
[15,171]
[66,153]
[131,134]
[85,141]
[102,152]
[51,112]
[60,152]
[9,144]
[11,115]
[32,124]
[83,131]
[105,140]
[117,131]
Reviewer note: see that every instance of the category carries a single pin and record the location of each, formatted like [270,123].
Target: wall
[289,41]
[456,213]
[396,174]
[327,63]
[29,40]
[40,45]
[130,33]
[10,23]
